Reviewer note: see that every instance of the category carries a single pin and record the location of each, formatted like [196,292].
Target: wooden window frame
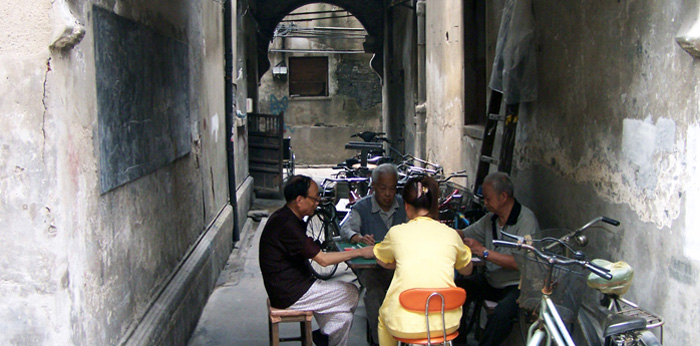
[308,76]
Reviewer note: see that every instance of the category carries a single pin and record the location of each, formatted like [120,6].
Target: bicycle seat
[614,323]
[370,166]
[619,284]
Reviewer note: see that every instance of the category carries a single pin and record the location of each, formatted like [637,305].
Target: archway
[269,13]
[322,82]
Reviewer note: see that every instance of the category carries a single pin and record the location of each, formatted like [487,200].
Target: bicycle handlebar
[337,180]
[565,239]
[597,219]
[409,157]
[459,174]
[598,270]
[554,259]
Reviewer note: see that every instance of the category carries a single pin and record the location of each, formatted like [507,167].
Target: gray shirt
[522,221]
[353,225]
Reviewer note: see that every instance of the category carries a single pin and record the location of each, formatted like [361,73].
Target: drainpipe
[228,90]
[420,116]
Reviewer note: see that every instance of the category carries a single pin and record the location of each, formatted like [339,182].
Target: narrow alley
[136,136]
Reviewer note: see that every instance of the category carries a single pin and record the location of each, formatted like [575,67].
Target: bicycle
[288,158]
[455,203]
[615,320]
[324,228]
[357,180]
[549,324]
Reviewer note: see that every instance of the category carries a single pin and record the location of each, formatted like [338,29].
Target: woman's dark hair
[297,185]
[422,193]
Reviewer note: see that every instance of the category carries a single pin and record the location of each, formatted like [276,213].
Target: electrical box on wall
[279,72]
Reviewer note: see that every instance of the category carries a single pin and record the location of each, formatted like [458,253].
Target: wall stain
[682,271]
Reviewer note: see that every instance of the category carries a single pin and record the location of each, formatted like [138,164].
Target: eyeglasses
[317,198]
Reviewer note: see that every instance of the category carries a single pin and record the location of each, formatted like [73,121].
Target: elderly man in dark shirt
[285,251]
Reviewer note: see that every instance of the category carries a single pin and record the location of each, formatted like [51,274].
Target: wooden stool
[278,316]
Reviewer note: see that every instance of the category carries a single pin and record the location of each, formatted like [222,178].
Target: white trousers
[333,304]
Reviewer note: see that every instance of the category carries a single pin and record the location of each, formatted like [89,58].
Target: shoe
[319,338]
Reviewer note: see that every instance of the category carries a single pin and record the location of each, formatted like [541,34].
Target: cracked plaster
[648,174]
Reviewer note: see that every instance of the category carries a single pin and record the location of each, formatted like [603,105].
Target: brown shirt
[285,251]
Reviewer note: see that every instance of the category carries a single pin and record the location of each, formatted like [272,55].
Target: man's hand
[367,252]
[367,239]
[503,260]
[474,245]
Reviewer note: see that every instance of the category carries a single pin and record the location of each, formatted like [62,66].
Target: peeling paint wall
[615,132]
[76,266]
[353,103]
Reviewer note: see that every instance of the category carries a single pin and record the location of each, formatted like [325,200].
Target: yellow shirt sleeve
[464,255]
[383,251]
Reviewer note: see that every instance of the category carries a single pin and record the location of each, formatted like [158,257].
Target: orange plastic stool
[419,300]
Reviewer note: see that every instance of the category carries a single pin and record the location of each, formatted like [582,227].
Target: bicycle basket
[567,290]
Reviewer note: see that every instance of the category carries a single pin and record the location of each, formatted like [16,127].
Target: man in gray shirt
[499,281]
[369,221]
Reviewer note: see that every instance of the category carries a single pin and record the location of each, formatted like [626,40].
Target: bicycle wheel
[322,229]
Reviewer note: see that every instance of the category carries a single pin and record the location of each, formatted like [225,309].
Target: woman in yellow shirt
[424,253]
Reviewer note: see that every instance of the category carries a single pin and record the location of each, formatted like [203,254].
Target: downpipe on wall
[420,111]
[228,90]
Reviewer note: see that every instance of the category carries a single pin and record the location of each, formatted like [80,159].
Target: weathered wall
[445,84]
[615,132]
[353,104]
[77,266]
[400,79]
[33,261]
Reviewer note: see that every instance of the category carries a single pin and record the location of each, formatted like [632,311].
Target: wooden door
[265,157]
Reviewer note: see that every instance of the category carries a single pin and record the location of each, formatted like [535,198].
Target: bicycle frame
[549,326]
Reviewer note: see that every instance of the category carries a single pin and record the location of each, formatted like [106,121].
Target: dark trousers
[376,282]
[500,323]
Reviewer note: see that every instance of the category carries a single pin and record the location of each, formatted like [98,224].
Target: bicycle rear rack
[627,308]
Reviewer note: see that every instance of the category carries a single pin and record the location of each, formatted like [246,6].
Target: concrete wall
[400,79]
[320,127]
[615,132]
[77,266]
[445,84]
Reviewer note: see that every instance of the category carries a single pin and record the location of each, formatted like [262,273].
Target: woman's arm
[391,265]
[466,270]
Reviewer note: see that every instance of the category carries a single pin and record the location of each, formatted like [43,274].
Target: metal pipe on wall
[230,122]
[420,115]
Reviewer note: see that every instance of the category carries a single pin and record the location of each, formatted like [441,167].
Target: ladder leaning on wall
[509,122]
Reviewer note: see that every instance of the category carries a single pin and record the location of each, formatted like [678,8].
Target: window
[308,76]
